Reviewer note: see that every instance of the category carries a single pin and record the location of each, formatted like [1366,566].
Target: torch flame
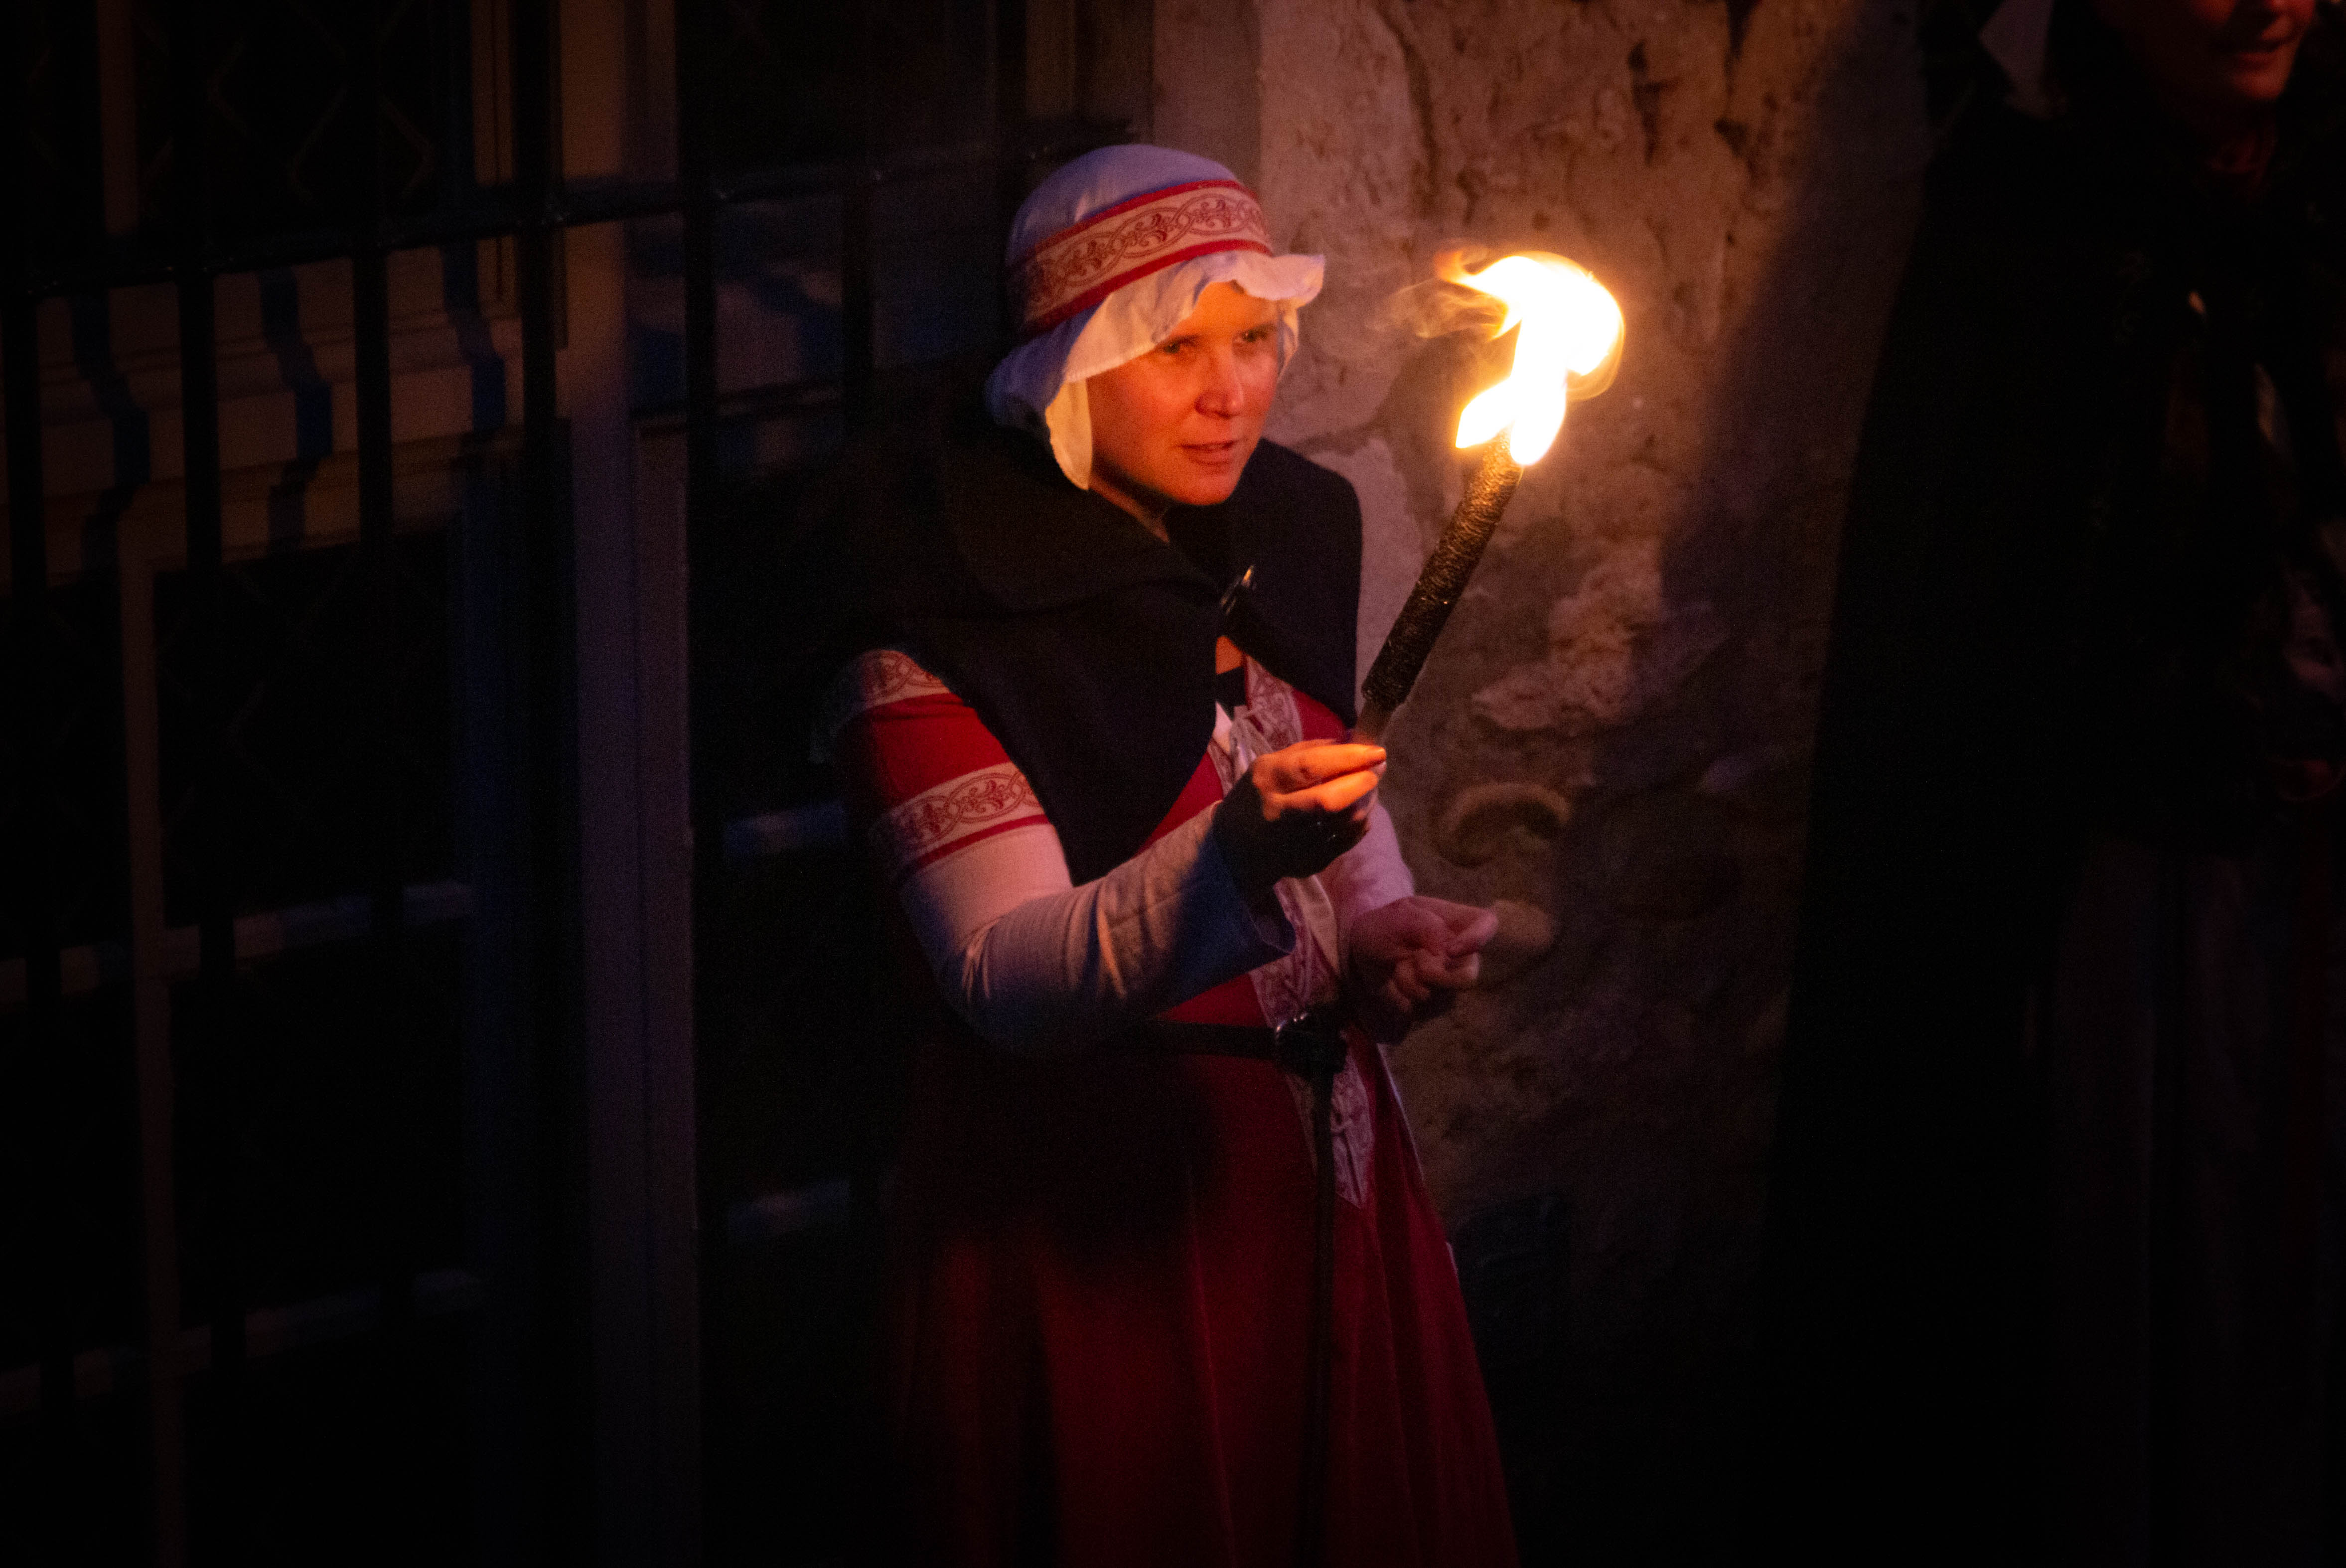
[1570,337]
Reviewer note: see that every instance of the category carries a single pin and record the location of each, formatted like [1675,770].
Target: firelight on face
[1176,426]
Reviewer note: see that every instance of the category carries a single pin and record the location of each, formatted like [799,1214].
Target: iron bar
[574,206]
[857,305]
[858,345]
[216,1078]
[158,1106]
[268,1331]
[90,967]
[556,1094]
[1009,127]
[694,39]
[370,312]
[381,1028]
[698,180]
[696,47]
[38,1074]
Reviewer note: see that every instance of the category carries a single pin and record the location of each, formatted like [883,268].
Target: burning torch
[1568,341]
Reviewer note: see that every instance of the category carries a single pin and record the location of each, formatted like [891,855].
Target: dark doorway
[434,1113]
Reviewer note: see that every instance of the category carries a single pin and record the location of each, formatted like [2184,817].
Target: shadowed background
[445,1098]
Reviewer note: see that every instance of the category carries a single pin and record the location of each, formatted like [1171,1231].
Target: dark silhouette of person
[2054,1257]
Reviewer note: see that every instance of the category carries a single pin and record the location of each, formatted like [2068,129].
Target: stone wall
[1610,741]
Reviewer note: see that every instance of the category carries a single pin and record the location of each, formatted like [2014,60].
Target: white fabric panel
[953,901]
[1368,876]
[1041,965]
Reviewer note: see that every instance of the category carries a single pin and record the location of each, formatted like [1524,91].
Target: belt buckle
[1313,1046]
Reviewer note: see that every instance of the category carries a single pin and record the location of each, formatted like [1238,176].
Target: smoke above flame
[1568,333]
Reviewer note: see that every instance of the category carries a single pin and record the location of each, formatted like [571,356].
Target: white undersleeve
[1368,876]
[1034,963]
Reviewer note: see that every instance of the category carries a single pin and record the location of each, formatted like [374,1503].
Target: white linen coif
[1039,385]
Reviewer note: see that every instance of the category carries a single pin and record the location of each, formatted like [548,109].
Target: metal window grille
[298,1105]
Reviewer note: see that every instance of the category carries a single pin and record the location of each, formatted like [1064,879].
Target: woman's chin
[1208,494]
[2257,81]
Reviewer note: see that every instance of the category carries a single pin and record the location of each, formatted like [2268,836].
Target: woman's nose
[1224,396]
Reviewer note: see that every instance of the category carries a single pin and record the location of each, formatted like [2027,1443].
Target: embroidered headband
[1084,263]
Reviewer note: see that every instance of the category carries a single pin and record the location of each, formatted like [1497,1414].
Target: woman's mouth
[2261,48]
[2271,36]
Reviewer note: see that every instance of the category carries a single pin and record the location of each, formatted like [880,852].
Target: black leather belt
[1203,1039]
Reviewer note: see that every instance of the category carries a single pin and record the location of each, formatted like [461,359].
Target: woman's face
[2213,60]
[1176,426]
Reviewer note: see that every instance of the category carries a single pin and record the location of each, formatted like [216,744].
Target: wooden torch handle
[1438,586]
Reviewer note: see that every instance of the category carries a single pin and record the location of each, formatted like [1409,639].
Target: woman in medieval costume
[1097,739]
[2054,1250]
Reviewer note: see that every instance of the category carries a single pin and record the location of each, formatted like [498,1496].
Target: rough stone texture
[1637,659]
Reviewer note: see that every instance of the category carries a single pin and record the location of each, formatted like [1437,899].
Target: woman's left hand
[1410,959]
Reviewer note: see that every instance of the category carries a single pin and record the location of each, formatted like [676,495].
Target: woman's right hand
[1296,810]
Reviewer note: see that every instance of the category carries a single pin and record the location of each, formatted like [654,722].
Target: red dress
[1099,1271]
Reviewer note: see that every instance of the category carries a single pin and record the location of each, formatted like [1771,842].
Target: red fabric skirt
[1098,1295]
